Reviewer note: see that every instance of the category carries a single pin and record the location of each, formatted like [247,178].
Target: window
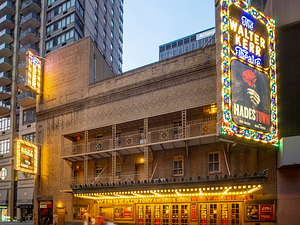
[111,59]
[96,5]
[118,136]
[112,24]
[112,35]
[3,173]
[142,138]
[29,137]
[29,116]
[177,130]
[4,146]
[99,170]
[111,47]
[4,124]
[118,171]
[178,165]
[95,70]
[105,9]
[214,162]
[112,12]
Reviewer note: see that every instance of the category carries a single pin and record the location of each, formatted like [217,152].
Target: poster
[118,213]
[123,213]
[266,212]
[252,212]
[127,212]
[250,97]
[45,213]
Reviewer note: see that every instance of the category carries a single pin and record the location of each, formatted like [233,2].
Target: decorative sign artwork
[33,73]
[249,90]
[26,159]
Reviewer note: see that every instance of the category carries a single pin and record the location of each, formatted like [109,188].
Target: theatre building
[142,147]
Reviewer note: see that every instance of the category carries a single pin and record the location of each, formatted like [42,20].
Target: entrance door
[220,213]
[145,214]
[180,214]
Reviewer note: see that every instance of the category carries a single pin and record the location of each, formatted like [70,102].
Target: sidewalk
[17,223]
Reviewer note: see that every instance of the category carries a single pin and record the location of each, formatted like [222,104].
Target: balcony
[5,64]
[5,78]
[6,36]
[33,47]
[30,6]
[21,84]
[4,108]
[31,20]
[160,138]
[7,21]
[6,50]
[7,8]
[30,35]
[22,68]
[26,99]
[5,92]
[2,1]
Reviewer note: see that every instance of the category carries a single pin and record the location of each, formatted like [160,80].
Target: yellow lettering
[233,25]
[256,39]
[257,51]
[251,47]
[262,42]
[238,40]
[245,43]
[241,30]
[246,36]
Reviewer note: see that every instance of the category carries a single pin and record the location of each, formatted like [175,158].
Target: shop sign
[33,73]
[249,89]
[134,201]
[222,198]
[193,212]
[26,157]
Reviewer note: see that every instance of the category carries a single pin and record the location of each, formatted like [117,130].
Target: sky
[150,23]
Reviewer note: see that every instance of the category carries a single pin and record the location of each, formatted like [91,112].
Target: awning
[25,197]
[236,184]
[3,197]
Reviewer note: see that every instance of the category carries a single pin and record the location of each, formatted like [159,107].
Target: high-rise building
[42,27]
[186,44]
[102,20]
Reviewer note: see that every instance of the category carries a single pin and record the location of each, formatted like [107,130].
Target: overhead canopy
[25,197]
[3,197]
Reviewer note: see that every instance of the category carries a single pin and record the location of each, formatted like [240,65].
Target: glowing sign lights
[26,158]
[33,73]
[249,89]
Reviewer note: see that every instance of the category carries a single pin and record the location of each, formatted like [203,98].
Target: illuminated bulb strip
[254,189]
[156,194]
[178,193]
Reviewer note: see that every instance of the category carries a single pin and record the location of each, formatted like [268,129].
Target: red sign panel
[266,212]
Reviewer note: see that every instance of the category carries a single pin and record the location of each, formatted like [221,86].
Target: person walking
[86,218]
[93,221]
[55,219]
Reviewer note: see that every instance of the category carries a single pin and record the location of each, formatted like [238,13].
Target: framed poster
[123,213]
[260,212]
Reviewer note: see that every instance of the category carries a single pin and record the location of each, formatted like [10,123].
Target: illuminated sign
[26,158]
[33,73]
[249,89]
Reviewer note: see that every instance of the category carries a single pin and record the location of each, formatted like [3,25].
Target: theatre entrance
[163,214]
[220,213]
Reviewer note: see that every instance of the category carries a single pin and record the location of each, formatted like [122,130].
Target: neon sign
[33,73]
[26,158]
[249,89]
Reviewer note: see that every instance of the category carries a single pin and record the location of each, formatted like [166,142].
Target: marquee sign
[26,158]
[249,90]
[33,73]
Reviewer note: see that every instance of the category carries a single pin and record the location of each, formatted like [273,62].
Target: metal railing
[5,89]
[6,75]
[7,17]
[29,46]
[28,2]
[194,128]
[21,80]
[30,16]
[30,31]
[7,3]
[25,95]
[5,104]
[6,31]
[6,60]
[7,46]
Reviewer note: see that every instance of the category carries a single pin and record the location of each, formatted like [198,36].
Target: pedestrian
[86,217]
[55,219]
[93,221]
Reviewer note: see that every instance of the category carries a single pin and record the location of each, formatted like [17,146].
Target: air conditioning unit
[98,147]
